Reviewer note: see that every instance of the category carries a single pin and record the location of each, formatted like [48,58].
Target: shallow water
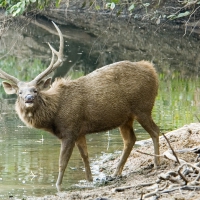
[29,157]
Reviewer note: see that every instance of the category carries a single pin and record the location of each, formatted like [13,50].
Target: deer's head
[28,91]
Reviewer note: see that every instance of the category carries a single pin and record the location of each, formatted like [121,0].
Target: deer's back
[133,84]
[105,98]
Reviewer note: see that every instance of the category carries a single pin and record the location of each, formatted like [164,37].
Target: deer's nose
[29,98]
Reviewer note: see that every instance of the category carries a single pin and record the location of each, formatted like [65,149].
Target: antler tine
[59,54]
[8,77]
[46,71]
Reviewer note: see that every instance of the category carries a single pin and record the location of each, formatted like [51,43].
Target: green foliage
[184,11]
[117,5]
[18,7]
[189,8]
[146,5]
[120,5]
[179,15]
[110,5]
[131,7]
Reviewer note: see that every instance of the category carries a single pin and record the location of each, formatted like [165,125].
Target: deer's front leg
[67,145]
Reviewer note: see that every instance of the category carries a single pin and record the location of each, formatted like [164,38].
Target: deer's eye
[35,91]
[20,92]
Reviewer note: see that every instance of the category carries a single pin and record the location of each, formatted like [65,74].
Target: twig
[193,28]
[32,175]
[197,118]
[141,195]
[185,187]
[171,148]
[190,165]
[149,154]
[167,154]
[157,191]
[120,189]
[182,176]
[169,176]
[196,159]
[189,19]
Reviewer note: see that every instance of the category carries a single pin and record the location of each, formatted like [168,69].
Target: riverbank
[95,18]
[139,172]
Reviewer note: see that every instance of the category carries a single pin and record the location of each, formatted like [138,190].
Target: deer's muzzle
[29,98]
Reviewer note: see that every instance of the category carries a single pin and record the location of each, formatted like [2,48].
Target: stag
[110,97]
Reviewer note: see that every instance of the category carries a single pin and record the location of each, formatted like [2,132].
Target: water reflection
[178,101]
[29,157]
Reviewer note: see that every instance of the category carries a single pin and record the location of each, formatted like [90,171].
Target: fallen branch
[168,154]
[170,177]
[171,148]
[194,167]
[120,189]
[149,154]
[184,177]
[156,192]
[162,191]
[185,187]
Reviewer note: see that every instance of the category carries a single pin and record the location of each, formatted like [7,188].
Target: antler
[8,77]
[52,65]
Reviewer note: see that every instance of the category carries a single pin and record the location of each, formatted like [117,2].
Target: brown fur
[112,96]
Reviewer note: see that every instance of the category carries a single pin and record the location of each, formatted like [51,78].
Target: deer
[109,97]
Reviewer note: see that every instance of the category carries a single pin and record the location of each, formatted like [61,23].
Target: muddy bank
[86,15]
[146,34]
[167,48]
[138,170]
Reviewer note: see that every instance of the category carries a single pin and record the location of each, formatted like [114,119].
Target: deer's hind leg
[129,139]
[82,147]
[149,125]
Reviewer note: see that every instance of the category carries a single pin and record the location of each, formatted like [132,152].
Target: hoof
[113,178]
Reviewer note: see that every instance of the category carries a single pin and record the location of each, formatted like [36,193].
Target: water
[29,157]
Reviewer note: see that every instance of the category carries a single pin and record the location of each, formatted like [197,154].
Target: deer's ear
[9,88]
[44,84]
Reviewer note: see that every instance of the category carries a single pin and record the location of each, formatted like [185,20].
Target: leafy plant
[18,7]
[179,15]
[111,4]
[146,5]
[128,5]
[186,7]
